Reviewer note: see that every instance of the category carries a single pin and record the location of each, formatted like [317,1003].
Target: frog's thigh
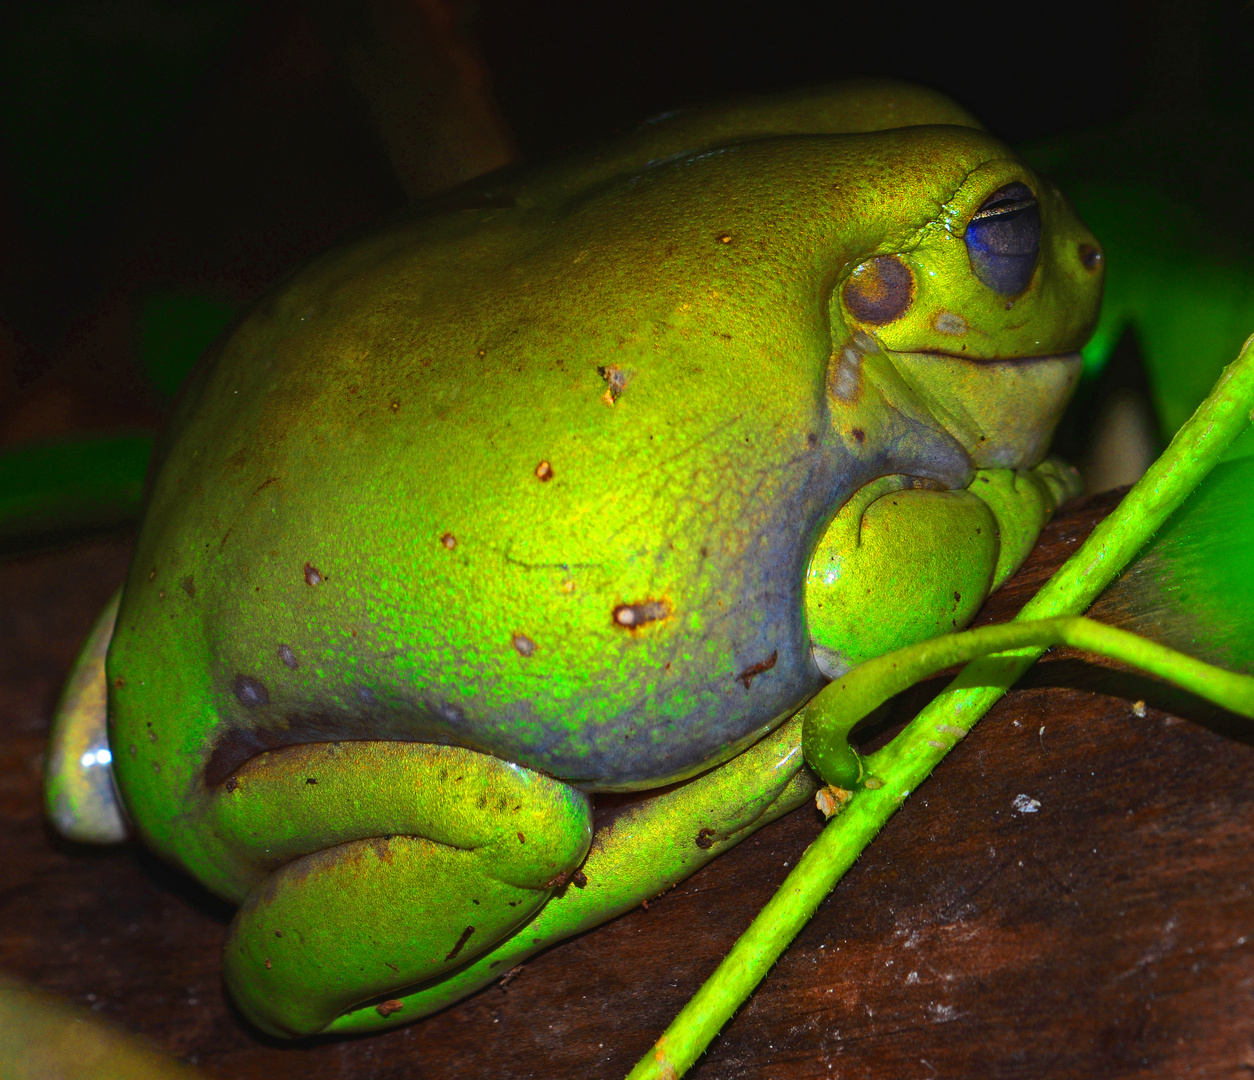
[640,848]
[1023,500]
[394,863]
[897,568]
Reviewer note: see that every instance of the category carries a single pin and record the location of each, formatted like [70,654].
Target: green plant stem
[869,685]
[905,763]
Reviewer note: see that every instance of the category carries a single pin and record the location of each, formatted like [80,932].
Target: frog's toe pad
[80,796]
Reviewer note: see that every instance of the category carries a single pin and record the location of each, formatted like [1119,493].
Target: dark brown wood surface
[1108,933]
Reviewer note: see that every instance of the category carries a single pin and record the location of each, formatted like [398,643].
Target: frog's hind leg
[641,848]
[80,796]
[386,864]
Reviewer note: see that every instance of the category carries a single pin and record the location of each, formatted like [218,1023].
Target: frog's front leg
[640,848]
[379,865]
[902,562]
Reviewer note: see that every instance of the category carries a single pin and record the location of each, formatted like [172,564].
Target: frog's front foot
[1023,500]
[380,865]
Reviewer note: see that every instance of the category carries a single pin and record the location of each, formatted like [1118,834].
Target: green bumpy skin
[577,482]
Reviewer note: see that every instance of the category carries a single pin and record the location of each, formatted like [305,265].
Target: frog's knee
[285,804]
[80,796]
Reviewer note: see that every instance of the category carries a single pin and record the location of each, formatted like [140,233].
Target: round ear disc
[880,290]
[1004,239]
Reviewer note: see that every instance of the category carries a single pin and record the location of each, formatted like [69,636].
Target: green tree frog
[492,555]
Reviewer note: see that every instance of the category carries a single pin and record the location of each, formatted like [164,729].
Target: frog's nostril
[1090,256]
[880,290]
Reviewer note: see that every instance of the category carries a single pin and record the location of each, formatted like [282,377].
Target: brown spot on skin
[522,839]
[267,963]
[1090,256]
[724,238]
[510,976]
[189,586]
[161,594]
[311,779]
[231,784]
[879,291]
[957,595]
[396,406]
[705,839]
[288,657]
[523,645]
[750,673]
[579,879]
[461,943]
[634,616]
[119,681]
[251,692]
[544,472]
[616,383]
[387,1008]
[152,573]
[449,540]
[313,576]
[859,435]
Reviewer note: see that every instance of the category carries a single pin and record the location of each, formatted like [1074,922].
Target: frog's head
[980,298]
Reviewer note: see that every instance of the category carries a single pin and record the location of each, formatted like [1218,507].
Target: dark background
[161,163]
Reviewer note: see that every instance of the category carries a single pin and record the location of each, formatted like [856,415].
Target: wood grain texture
[1110,932]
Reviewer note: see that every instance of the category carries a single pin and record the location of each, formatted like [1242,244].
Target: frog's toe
[80,797]
[1063,480]
[474,847]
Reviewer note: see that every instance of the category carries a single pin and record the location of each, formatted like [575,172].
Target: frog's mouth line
[1002,412]
[969,358]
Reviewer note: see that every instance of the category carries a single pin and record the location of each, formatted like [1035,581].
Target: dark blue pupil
[1004,239]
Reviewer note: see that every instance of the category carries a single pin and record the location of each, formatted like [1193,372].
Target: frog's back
[537,480]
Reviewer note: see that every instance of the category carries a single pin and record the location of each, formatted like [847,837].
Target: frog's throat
[1002,412]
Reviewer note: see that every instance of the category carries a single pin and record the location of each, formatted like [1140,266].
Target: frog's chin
[1003,411]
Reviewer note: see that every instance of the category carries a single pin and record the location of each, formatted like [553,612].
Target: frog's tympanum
[491,554]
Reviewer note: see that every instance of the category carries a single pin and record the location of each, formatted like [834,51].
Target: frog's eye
[1004,239]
